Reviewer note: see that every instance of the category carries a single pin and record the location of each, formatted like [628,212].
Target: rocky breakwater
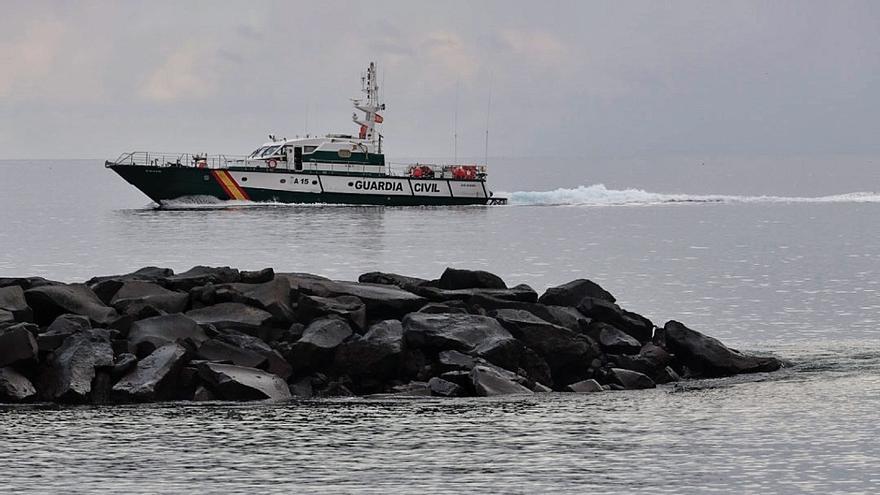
[224,334]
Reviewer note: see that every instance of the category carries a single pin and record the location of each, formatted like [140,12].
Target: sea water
[766,256]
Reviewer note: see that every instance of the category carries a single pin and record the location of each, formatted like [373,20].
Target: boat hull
[165,183]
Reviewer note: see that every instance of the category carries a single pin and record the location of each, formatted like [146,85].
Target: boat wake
[599,195]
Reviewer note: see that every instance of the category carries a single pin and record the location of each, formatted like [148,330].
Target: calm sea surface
[765,256]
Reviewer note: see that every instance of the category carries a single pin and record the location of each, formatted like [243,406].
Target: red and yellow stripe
[230,187]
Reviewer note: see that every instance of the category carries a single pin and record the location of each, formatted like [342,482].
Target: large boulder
[154,376]
[64,326]
[349,308]
[17,344]
[147,274]
[71,368]
[472,334]
[230,382]
[50,301]
[563,316]
[245,350]
[272,296]
[148,334]
[568,354]
[708,357]
[134,295]
[572,293]
[613,340]
[402,281]
[584,387]
[444,388]
[488,382]
[26,282]
[375,356]
[635,325]
[453,278]
[315,349]
[382,301]
[236,316]
[202,275]
[629,380]
[258,276]
[652,360]
[12,301]
[522,293]
[15,387]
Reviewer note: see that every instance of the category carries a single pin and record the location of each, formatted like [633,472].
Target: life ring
[272,164]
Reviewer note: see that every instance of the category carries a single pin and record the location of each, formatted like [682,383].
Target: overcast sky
[93,79]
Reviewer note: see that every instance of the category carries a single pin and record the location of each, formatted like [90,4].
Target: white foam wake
[599,195]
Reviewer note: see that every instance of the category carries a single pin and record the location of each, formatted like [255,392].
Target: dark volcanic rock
[13,302]
[634,325]
[651,360]
[26,282]
[630,380]
[613,340]
[50,301]
[382,301]
[404,282]
[471,334]
[376,355]
[706,356]
[153,377]
[572,293]
[125,362]
[202,275]
[447,307]
[232,315]
[258,277]
[470,279]
[17,344]
[490,382]
[585,386]
[315,349]
[239,383]
[567,353]
[15,387]
[218,351]
[133,295]
[147,274]
[349,308]
[149,334]
[71,368]
[444,388]
[455,361]
[522,293]
[64,326]
[272,296]
[272,360]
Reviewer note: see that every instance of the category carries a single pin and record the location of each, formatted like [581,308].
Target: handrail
[165,159]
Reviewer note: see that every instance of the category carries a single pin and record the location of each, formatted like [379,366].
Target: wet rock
[666,375]
[149,334]
[613,340]
[472,334]
[584,387]
[26,282]
[153,377]
[412,389]
[64,326]
[133,296]
[302,388]
[146,274]
[566,317]
[651,360]
[521,292]
[202,275]
[470,279]
[404,282]
[236,316]
[71,368]
[455,361]
[708,357]
[443,388]
[629,380]
[319,342]
[349,308]
[202,394]
[17,345]
[12,301]
[572,293]
[462,379]
[272,360]
[272,296]
[535,367]
[567,353]
[218,351]
[376,355]
[50,301]
[604,311]
[448,307]
[258,277]
[383,302]
[490,382]
[125,362]
[239,383]
[15,387]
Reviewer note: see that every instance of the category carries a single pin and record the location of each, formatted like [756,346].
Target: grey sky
[93,79]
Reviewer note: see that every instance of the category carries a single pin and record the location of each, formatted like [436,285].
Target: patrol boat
[336,168]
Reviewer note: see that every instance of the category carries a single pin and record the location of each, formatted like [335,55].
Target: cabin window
[257,152]
[244,179]
[344,153]
[284,181]
[309,149]
[270,150]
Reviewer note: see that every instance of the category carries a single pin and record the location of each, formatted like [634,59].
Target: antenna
[307,118]
[455,128]
[488,113]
